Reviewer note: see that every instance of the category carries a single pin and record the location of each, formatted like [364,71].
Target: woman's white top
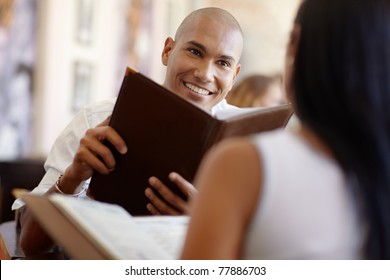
[305,209]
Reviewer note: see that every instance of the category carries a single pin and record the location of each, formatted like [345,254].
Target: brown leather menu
[166,133]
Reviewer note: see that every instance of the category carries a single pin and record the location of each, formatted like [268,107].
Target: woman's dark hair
[342,92]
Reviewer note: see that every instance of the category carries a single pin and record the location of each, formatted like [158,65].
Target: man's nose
[205,72]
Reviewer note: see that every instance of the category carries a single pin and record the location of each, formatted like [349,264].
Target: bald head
[203,59]
[214,13]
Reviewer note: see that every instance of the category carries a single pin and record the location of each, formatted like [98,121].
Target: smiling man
[202,64]
[203,60]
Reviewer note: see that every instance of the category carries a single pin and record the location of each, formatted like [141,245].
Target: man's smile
[196,89]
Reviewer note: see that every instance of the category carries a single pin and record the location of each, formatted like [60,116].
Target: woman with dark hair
[322,191]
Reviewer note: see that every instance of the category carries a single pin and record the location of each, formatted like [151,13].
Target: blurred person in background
[257,91]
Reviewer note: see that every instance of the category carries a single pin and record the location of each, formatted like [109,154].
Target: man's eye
[195,52]
[224,63]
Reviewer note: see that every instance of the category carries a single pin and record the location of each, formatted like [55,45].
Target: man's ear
[168,46]
[238,69]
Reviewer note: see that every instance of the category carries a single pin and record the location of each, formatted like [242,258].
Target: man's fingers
[96,154]
[153,210]
[168,195]
[116,140]
[186,187]
[89,160]
[161,206]
[102,133]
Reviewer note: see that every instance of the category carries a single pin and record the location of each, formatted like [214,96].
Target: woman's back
[306,209]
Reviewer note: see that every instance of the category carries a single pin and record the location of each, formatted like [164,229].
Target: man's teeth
[197,90]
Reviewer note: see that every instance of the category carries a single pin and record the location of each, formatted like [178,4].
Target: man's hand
[173,204]
[93,154]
